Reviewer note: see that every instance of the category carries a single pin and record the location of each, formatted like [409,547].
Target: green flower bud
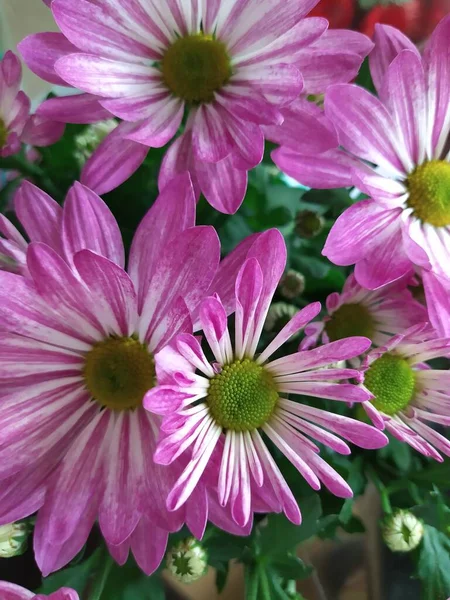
[13,539]
[90,139]
[279,315]
[308,224]
[292,284]
[187,561]
[402,531]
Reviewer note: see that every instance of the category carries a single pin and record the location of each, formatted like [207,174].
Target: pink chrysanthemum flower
[77,345]
[228,65]
[377,315]
[219,412]
[409,395]
[16,124]
[10,591]
[396,150]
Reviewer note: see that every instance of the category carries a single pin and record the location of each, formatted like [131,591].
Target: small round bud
[13,539]
[279,315]
[187,561]
[90,139]
[308,224]
[402,531]
[292,284]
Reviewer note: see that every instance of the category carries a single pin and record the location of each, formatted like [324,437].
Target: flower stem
[251,583]
[103,574]
[265,584]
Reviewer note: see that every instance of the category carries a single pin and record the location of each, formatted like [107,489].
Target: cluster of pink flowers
[113,409]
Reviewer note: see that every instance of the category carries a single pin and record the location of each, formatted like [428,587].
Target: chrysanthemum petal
[160,126]
[148,544]
[88,224]
[106,77]
[332,169]
[172,213]
[90,27]
[40,215]
[40,52]
[113,292]
[364,125]
[389,42]
[297,322]
[222,184]
[120,507]
[405,95]
[437,66]
[80,108]
[113,162]
[176,275]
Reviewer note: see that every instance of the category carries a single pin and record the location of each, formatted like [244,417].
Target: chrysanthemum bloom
[408,394]
[377,315]
[77,347]
[219,412]
[229,66]
[16,124]
[10,591]
[396,150]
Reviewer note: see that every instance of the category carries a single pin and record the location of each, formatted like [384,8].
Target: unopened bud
[292,284]
[90,139]
[13,539]
[187,561]
[308,224]
[279,315]
[402,531]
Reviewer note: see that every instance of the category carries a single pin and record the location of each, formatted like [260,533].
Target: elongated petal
[40,215]
[10,591]
[80,108]
[40,51]
[364,125]
[389,42]
[222,184]
[172,213]
[405,94]
[41,132]
[114,161]
[249,285]
[437,66]
[358,230]
[115,299]
[90,27]
[300,320]
[88,224]
[332,169]
[178,274]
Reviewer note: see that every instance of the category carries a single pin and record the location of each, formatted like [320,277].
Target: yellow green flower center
[118,372]
[243,396]
[350,320]
[429,192]
[196,66]
[392,381]
[3,133]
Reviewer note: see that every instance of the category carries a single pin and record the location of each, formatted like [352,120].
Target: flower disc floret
[429,192]
[243,396]
[118,372]
[350,320]
[392,381]
[195,67]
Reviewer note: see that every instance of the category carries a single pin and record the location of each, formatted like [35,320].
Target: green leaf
[434,565]
[130,583]
[291,567]
[74,577]
[280,535]
[221,577]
